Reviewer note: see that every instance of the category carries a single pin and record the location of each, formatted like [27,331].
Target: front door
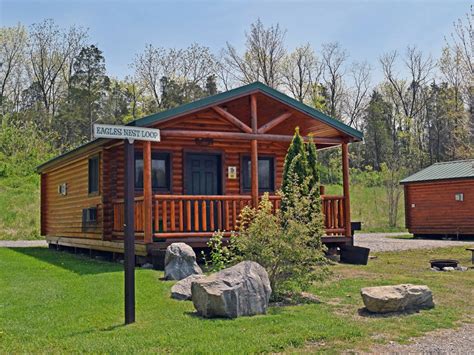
[202,177]
[202,174]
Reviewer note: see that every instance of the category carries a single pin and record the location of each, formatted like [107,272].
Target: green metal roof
[460,169]
[214,100]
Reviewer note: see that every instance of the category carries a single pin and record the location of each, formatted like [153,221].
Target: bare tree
[12,50]
[411,92]
[463,41]
[300,71]
[263,57]
[223,73]
[456,63]
[77,38]
[333,58]
[357,97]
[197,63]
[149,69]
[189,67]
[49,49]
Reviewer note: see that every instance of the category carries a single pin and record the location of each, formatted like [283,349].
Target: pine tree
[301,187]
[312,156]
[296,162]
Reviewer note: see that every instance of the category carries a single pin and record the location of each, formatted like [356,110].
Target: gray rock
[448,268]
[435,268]
[241,290]
[461,268]
[182,289]
[180,262]
[398,298]
[147,266]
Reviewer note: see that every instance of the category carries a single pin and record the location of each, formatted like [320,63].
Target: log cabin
[216,155]
[439,200]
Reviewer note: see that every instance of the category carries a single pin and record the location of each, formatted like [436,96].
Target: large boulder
[397,298]
[241,290]
[181,290]
[180,262]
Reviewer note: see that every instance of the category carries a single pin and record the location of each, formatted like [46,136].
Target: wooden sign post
[130,134]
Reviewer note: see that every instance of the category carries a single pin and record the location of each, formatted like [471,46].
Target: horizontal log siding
[62,215]
[231,154]
[436,211]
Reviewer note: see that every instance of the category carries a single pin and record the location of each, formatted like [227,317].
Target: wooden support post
[129,233]
[147,193]
[254,151]
[345,184]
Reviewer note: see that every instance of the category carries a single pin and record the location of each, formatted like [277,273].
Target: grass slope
[369,205]
[57,302]
[19,208]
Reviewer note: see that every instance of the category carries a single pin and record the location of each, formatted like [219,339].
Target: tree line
[54,85]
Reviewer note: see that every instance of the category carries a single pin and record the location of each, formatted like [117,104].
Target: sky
[365,28]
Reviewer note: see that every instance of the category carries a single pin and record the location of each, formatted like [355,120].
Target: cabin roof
[459,169]
[212,101]
[241,91]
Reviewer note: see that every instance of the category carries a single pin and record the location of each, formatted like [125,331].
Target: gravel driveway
[383,242]
[451,341]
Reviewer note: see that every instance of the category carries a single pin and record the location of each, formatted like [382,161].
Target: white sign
[232,172]
[126,132]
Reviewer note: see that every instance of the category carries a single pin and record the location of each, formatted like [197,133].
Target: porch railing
[201,215]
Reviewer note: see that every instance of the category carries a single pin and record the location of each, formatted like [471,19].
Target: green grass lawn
[19,208]
[57,302]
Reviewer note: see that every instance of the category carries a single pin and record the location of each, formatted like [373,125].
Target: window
[160,171]
[94,175]
[266,175]
[459,196]
[89,218]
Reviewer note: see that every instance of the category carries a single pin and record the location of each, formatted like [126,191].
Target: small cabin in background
[216,155]
[439,200]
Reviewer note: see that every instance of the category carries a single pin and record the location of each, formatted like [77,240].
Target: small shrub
[220,255]
[282,245]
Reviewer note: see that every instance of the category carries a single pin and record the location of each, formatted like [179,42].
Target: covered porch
[209,143]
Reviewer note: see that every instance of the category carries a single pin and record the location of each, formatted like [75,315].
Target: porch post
[254,151]
[345,184]
[147,192]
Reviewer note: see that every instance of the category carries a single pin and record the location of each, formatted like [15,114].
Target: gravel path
[440,342]
[22,243]
[382,242]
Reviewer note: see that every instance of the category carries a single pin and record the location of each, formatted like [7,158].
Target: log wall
[431,208]
[62,215]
